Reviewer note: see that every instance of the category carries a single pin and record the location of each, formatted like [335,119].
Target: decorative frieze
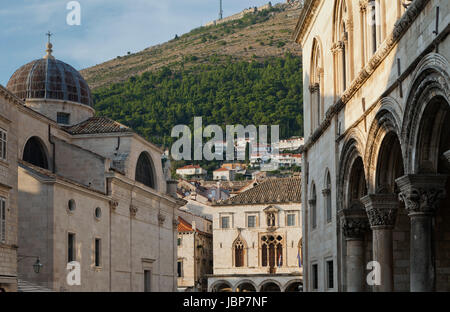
[354,223]
[381,209]
[421,193]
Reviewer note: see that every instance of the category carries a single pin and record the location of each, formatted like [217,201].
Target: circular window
[71,205]
[98,212]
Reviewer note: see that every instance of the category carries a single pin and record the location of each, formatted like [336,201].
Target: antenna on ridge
[221,11]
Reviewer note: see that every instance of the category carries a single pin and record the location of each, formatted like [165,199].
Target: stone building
[376,159]
[8,191]
[195,253]
[86,191]
[257,239]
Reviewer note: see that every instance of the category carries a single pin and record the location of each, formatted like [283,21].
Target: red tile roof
[190,167]
[96,125]
[184,226]
[221,169]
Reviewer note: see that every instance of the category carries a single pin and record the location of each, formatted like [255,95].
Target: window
[2,220]
[179,240]
[2,144]
[147,280]
[312,206]
[271,250]
[98,213]
[35,153]
[327,194]
[71,252]
[144,170]
[63,118]
[71,205]
[330,274]
[315,277]
[97,252]
[238,253]
[291,219]
[225,222]
[316,86]
[251,221]
[180,268]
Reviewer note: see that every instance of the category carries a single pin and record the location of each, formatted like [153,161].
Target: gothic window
[342,46]
[145,170]
[327,195]
[312,207]
[272,250]
[316,85]
[34,153]
[239,252]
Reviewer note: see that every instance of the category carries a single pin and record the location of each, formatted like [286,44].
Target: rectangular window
[63,118]
[2,144]
[225,222]
[291,219]
[180,268]
[71,254]
[98,246]
[330,275]
[179,241]
[147,280]
[315,277]
[2,220]
[251,221]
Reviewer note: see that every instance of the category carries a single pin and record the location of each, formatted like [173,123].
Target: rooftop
[271,191]
[96,125]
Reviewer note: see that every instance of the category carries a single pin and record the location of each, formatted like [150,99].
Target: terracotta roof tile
[95,125]
[270,191]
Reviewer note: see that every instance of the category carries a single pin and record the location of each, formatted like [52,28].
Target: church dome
[49,78]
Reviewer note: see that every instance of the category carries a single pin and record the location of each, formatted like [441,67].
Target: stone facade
[371,89]
[244,229]
[90,191]
[8,192]
[195,253]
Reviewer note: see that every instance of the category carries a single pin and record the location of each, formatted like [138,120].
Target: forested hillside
[242,92]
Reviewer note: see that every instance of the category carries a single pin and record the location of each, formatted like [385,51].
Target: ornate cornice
[421,193]
[306,16]
[401,26]
[381,209]
[354,223]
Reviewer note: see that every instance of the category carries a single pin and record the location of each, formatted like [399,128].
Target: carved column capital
[113,204]
[161,218]
[421,193]
[314,87]
[381,209]
[354,223]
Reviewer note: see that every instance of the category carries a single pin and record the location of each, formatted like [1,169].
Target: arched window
[327,195]
[312,206]
[35,153]
[238,253]
[316,85]
[272,250]
[145,170]
[342,46]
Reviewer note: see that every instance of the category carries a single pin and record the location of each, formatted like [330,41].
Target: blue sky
[108,28]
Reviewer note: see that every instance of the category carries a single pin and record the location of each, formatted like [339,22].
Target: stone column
[421,195]
[354,225]
[382,210]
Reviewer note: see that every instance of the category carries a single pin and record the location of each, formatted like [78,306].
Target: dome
[49,78]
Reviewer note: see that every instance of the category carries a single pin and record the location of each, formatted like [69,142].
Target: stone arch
[431,84]
[316,87]
[240,248]
[343,44]
[264,285]
[312,204]
[35,152]
[221,286]
[145,170]
[289,285]
[243,286]
[326,191]
[352,149]
[386,122]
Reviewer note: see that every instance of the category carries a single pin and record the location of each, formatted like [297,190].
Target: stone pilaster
[354,226]
[421,195]
[382,211]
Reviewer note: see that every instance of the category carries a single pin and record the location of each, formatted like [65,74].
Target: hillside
[255,37]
